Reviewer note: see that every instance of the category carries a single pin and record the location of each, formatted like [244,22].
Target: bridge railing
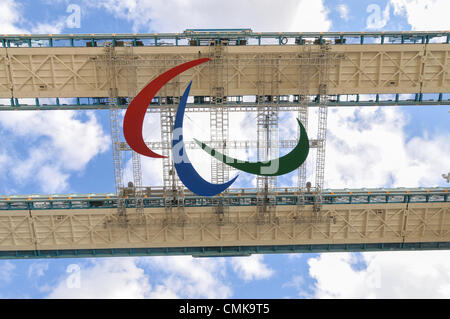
[235,103]
[227,37]
[236,197]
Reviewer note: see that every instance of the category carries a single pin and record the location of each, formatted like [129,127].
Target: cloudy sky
[70,152]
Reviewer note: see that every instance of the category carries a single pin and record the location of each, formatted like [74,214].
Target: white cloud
[183,277]
[310,16]
[298,283]
[367,147]
[251,268]
[62,142]
[262,15]
[36,270]
[378,17]
[52,180]
[54,27]
[6,271]
[10,16]
[424,15]
[106,278]
[13,22]
[343,11]
[424,274]
[4,159]
[189,277]
[46,164]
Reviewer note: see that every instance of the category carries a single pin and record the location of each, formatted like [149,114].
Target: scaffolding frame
[110,59]
[267,134]
[312,63]
[305,73]
[219,119]
[219,122]
[324,63]
[131,72]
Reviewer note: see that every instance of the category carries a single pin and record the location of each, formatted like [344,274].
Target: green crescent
[275,167]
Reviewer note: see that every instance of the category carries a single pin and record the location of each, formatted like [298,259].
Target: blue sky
[34,158]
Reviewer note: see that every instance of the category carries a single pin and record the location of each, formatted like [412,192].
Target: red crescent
[134,116]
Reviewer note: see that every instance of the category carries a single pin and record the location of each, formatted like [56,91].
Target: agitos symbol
[132,130]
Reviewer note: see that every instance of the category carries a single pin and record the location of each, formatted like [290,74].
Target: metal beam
[236,196]
[231,107]
[339,224]
[362,69]
[222,251]
[163,39]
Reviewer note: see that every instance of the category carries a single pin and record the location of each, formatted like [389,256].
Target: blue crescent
[186,172]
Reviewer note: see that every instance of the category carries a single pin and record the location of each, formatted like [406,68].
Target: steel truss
[110,58]
[304,73]
[44,230]
[284,106]
[267,133]
[324,66]
[363,69]
[237,37]
[258,217]
[231,145]
[131,72]
[173,188]
[218,115]
[268,104]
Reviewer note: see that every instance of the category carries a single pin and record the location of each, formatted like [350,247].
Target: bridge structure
[264,73]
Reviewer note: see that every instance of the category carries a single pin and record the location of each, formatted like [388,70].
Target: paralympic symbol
[132,129]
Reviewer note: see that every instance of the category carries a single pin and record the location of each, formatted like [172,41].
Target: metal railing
[226,37]
[235,197]
[286,103]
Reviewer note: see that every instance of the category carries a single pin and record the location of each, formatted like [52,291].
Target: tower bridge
[265,73]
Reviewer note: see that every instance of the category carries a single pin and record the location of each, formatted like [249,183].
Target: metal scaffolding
[173,188]
[267,133]
[324,66]
[304,73]
[131,72]
[218,115]
[312,64]
[298,73]
[231,145]
[219,122]
[267,129]
[110,58]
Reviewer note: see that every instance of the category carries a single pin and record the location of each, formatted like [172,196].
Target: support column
[111,73]
[267,131]
[304,84]
[324,64]
[135,157]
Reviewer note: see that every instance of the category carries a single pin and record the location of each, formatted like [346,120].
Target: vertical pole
[110,59]
[304,82]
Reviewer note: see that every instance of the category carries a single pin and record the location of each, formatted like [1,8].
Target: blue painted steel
[337,100]
[233,198]
[221,251]
[218,30]
[186,172]
[394,37]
